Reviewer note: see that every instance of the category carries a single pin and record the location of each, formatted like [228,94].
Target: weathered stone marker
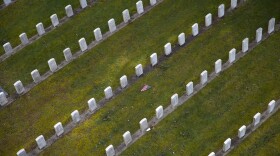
[232,54]
[126,15]
[195,30]
[127,138]
[271,25]
[112,25]
[167,49]
[7,2]
[97,34]
[8,48]
[21,152]
[241,132]
[58,128]
[123,81]
[83,44]
[69,11]
[19,87]
[233,4]
[182,39]
[154,59]
[108,92]
[203,77]
[189,88]
[208,20]
[76,116]
[139,70]
[40,29]
[221,11]
[3,99]
[159,112]
[259,35]
[153,2]
[92,104]
[139,6]
[144,125]
[227,145]
[36,76]
[271,106]
[54,20]
[52,65]
[67,54]
[174,100]
[256,119]
[218,66]
[110,151]
[212,154]
[23,38]
[83,3]
[41,142]
[245,45]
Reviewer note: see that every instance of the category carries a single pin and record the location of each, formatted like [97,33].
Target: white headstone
[144,125]
[54,20]
[69,11]
[36,76]
[19,87]
[212,154]
[189,88]
[83,3]
[195,30]
[233,4]
[241,131]
[182,39]
[271,106]
[203,77]
[154,59]
[21,152]
[8,48]
[245,45]
[139,6]
[259,35]
[232,54]
[67,54]
[40,29]
[159,112]
[7,2]
[92,104]
[256,119]
[41,142]
[139,70]
[227,145]
[127,138]
[97,34]
[52,65]
[126,15]
[112,25]
[271,25]
[123,81]
[110,151]
[75,116]
[218,66]
[23,38]
[3,99]
[221,11]
[167,49]
[174,100]
[58,128]
[108,92]
[83,44]
[208,20]
[153,2]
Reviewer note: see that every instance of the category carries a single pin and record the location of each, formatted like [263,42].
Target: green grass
[23,15]
[264,141]
[201,124]
[69,89]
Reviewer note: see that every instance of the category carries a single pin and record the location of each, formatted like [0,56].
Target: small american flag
[145,87]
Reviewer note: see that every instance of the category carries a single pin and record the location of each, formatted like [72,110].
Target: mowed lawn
[264,141]
[53,100]
[23,16]
[124,112]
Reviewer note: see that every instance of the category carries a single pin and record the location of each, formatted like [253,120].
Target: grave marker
[218,66]
[3,99]
[40,29]
[241,132]
[83,3]
[83,44]
[19,87]
[110,151]
[69,11]
[126,15]
[139,6]
[75,116]
[139,70]
[112,25]
[271,106]
[174,100]
[232,54]
[52,65]
[159,112]
[154,59]
[221,11]
[195,30]
[208,20]
[182,39]
[41,142]
[97,34]
[23,38]
[108,92]
[58,128]
[256,119]
[227,145]
[259,35]
[123,81]
[54,20]
[8,48]
[127,138]
[167,49]
[92,104]
[36,76]
[67,54]
[144,125]
[245,45]
[203,77]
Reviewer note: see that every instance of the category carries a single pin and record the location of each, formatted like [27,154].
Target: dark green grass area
[52,101]
[264,141]
[23,15]
[234,93]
